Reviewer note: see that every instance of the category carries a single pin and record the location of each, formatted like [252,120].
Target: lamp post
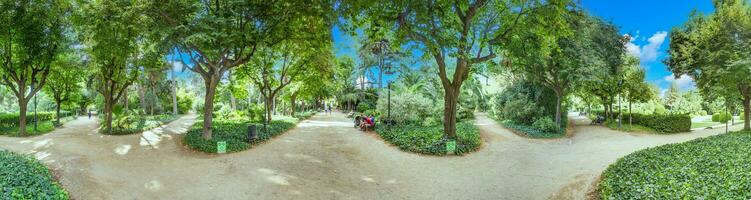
[620,94]
[35,109]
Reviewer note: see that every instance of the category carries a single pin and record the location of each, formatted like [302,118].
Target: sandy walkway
[325,158]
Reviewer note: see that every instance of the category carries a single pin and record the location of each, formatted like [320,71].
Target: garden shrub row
[12,119]
[534,132]
[429,139]
[132,124]
[23,177]
[715,167]
[235,133]
[662,123]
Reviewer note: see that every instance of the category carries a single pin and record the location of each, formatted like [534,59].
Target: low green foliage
[131,124]
[429,139]
[235,134]
[661,123]
[23,177]
[42,128]
[716,167]
[625,126]
[721,117]
[304,115]
[531,131]
[11,119]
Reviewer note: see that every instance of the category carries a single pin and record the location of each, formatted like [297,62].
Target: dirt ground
[325,158]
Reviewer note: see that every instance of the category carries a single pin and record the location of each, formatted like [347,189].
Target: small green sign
[450,147]
[221,147]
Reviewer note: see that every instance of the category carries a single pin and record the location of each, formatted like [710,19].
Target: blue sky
[648,21]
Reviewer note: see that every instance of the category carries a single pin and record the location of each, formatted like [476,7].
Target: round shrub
[23,177]
[362,107]
[715,167]
[546,124]
[716,117]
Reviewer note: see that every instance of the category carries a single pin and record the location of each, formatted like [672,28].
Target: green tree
[224,34]
[32,36]
[713,50]
[112,42]
[64,82]
[452,32]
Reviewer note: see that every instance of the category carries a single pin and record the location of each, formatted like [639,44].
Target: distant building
[363,82]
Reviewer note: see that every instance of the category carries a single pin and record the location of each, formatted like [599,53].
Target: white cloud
[177,66]
[648,52]
[683,83]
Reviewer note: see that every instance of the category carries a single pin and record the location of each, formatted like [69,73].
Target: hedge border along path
[715,167]
[428,139]
[235,134]
[661,123]
[23,177]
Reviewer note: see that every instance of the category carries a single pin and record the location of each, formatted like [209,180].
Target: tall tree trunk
[629,114]
[449,111]
[125,100]
[292,100]
[57,111]
[208,107]
[22,107]
[108,103]
[142,97]
[269,106]
[746,112]
[558,97]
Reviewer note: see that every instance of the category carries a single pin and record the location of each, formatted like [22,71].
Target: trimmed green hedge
[235,134]
[716,167]
[662,123]
[11,119]
[429,140]
[23,177]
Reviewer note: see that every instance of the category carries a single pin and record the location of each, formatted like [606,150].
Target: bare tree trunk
[449,111]
[108,102]
[57,111]
[292,100]
[125,100]
[746,112]
[558,109]
[22,107]
[208,107]
[142,97]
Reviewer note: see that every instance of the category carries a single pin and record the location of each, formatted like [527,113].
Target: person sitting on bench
[367,123]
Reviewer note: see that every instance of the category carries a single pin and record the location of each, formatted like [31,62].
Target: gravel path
[325,158]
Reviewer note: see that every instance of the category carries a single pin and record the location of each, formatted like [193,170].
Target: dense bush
[716,117]
[23,177]
[528,109]
[429,140]
[715,167]
[407,107]
[130,124]
[362,107]
[234,133]
[184,103]
[662,123]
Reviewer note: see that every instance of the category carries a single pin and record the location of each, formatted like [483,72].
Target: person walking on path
[89,114]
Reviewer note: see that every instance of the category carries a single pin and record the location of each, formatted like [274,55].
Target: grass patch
[529,131]
[715,167]
[695,125]
[23,177]
[132,124]
[235,133]
[42,128]
[429,140]
[629,127]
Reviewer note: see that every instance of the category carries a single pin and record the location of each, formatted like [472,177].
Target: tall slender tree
[32,35]
[452,32]
[224,34]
